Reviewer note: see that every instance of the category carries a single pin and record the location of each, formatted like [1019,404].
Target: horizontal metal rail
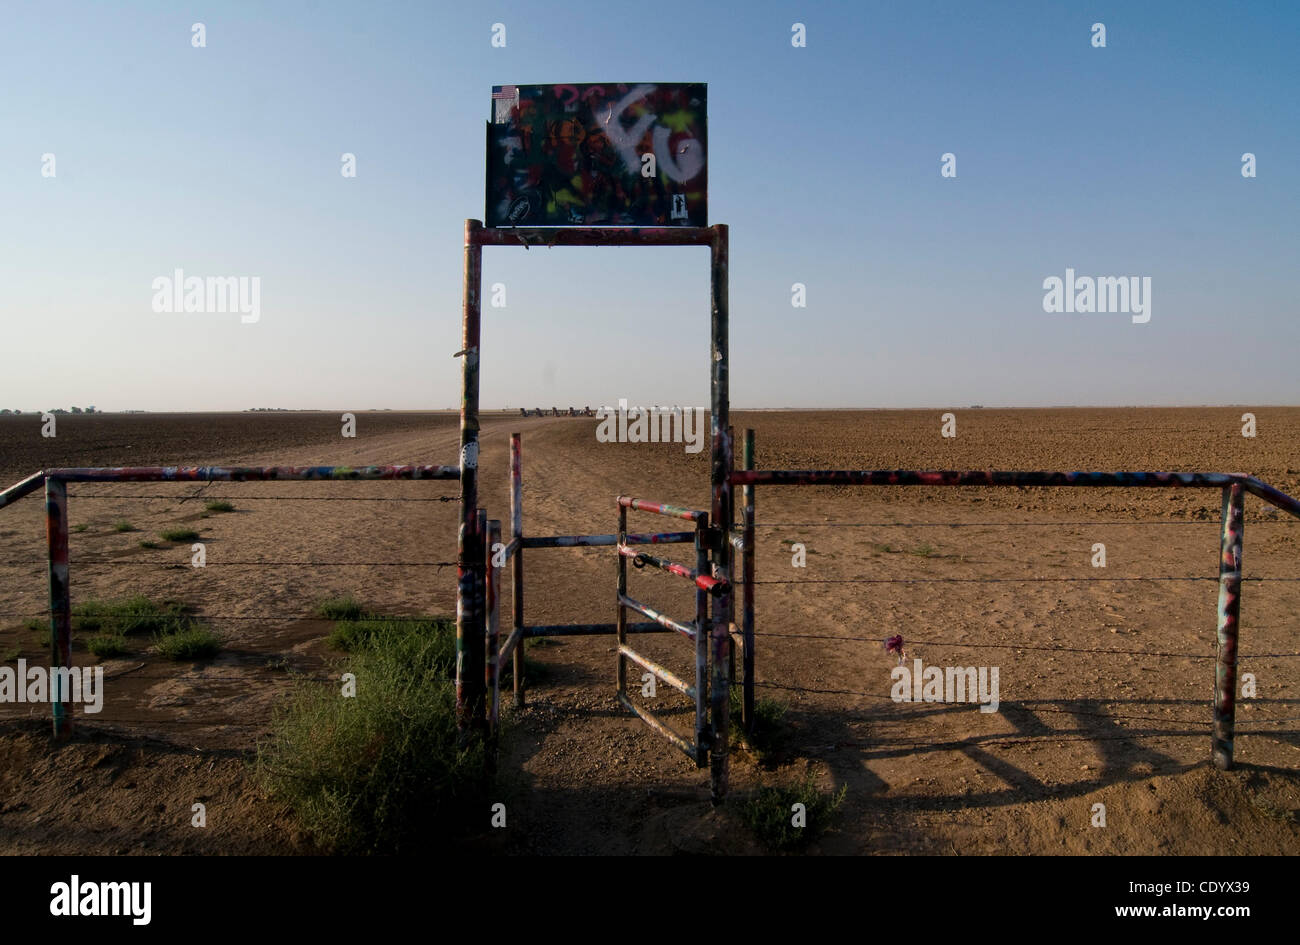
[585,541]
[592,236]
[249,473]
[661,508]
[590,629]
[655,723]
[667,675]
[19,489]
[661,619]
[705,583]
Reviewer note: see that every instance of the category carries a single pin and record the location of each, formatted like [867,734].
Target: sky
[825,160]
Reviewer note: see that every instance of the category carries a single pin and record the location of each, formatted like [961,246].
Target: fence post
[1225,670]
[56,537]
[470,561]
[747,575]
[701,644]
[620,625]
[517,562]
[720,511]
[492,668]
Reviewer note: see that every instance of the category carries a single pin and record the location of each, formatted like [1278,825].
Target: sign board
[617,154]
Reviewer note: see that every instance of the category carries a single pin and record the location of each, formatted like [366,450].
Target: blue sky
[824,160]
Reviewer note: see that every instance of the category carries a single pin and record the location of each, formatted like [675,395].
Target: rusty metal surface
[702,581]
[660,508]
[667,675]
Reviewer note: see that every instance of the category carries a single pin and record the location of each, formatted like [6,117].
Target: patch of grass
[37,624]
[382,771]
[106,646]
[373,630]
[176,633]
[192,643]
[218,505]
[9,655]
[150,544]
[128,615]
[886,549]
[179,534]
[924,551]
[770,732]
[770,814]
[80,527]
[344,607]
[122,525]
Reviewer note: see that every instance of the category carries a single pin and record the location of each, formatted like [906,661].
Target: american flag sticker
[504,99]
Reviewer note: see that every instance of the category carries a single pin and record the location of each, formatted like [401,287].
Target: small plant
[106,646]
[129,615]
[179,534]
[770,814]
[924,551]
[79,528]
[37,624]
[9,655]
[122,525]
[150,544]
[218,505]
[383,771]
[192,643]
[770,732]
[344,607]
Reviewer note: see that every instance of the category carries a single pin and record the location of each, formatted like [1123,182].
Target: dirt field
[1105,680]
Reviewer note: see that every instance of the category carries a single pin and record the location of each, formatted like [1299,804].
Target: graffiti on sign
[597,155]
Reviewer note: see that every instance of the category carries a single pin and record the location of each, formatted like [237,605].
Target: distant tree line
[5,411]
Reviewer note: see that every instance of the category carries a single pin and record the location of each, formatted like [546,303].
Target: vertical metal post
[469,561]
[620,625]
[747,567]
[492,669]
[720,512]
[1225,670]
[517,562]
[56,537]
[701,645]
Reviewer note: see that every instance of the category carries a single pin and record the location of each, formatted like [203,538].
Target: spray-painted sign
[598,155]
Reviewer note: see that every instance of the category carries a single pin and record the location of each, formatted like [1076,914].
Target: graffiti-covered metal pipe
[658,725]
[1225,669]
[492,648]
[593,541]
[517,561]
[977,477]
[720,459]
[701,647]
[1274,496]
[667,675]
[249,473]
[594,236]
[662,619]
[659,508]
[747,595]
[620,625]
[470,715]
[590,629]
[20,489]
[56,537]
[702,581]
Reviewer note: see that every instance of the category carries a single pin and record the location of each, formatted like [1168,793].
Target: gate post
[720,512]
[517,562]
[1225,670]
[56,537]
[747,575]
[470,572]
